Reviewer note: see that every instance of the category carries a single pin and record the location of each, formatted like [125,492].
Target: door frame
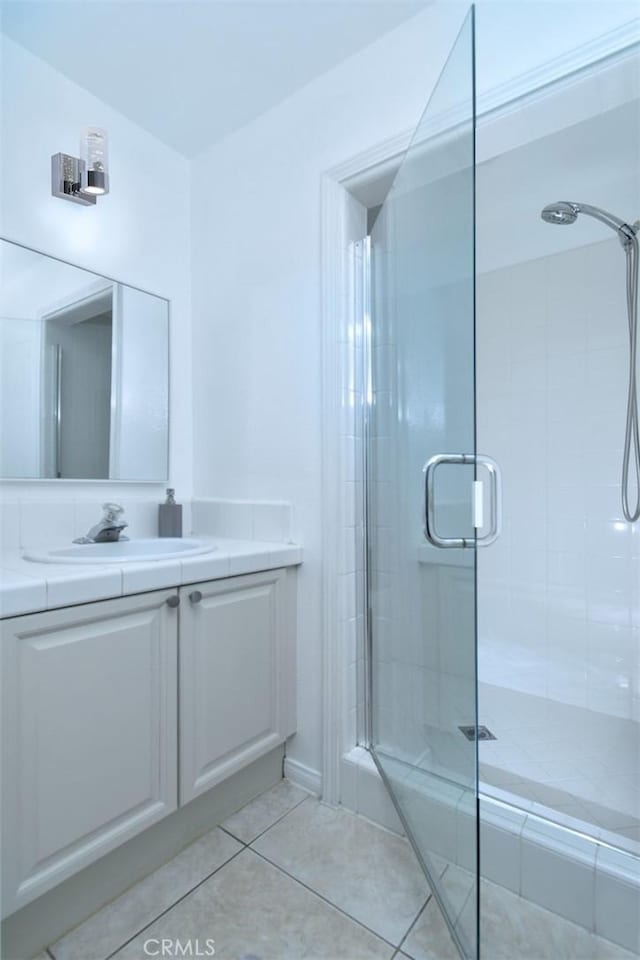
[337,600]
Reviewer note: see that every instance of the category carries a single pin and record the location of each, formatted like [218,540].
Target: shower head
[560,212]
[565,212]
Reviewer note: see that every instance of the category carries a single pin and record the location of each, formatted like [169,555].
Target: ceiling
[192,72]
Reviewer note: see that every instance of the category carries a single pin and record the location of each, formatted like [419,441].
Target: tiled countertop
[27,587]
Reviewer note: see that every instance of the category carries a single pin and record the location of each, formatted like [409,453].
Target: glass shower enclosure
[431,500]
[521,346]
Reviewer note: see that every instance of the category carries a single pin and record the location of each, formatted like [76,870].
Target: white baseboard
[302,776]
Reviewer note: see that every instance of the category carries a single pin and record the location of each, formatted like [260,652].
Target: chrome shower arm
[603,216]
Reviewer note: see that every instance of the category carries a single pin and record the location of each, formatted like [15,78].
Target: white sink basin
[123,551]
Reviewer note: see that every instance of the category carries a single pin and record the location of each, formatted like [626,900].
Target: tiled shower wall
[559,612]
[351,498]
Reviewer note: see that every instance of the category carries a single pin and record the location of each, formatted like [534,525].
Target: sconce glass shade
[94,150]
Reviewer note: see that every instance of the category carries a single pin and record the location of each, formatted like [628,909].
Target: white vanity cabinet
[237,675]
[116,712]
[88,735]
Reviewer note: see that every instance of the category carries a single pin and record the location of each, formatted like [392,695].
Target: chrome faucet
[108,530]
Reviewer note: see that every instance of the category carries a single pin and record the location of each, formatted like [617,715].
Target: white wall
[138,234]
[256,295]
[32,285]
[515,37]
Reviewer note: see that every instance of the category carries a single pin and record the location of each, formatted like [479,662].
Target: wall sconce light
[82,179]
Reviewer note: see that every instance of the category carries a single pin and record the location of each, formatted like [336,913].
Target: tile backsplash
[243,519]
[30,522]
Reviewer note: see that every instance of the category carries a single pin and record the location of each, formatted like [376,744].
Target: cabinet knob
[173,601]
[195,596]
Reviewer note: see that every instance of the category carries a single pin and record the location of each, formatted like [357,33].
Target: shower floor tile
[319,883]
[581,764]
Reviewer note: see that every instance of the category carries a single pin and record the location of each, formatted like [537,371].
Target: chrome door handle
[195,596]
[173,601]
[495,499]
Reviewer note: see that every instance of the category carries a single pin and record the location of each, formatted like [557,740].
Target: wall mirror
[84,373]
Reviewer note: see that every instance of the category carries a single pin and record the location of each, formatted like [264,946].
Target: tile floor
[288,878]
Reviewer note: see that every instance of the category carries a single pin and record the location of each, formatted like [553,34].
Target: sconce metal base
[98,180]
[67,177]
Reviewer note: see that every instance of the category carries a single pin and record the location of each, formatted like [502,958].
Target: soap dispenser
[170,516]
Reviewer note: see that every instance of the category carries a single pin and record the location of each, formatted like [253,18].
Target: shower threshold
[520,849]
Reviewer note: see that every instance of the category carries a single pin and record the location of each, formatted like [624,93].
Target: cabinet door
[89,735]
[237,675]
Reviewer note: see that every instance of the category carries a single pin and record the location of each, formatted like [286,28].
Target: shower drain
[483,733]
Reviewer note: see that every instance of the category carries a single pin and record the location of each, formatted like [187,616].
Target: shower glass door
[422,597]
